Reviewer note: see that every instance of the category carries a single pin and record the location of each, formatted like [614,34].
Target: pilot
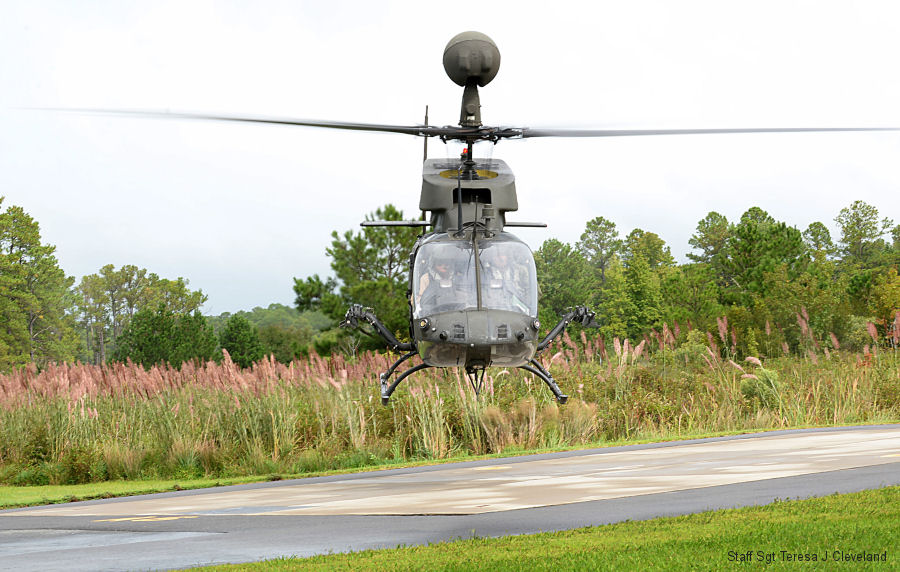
[439,275]
[505,272]
[506,281]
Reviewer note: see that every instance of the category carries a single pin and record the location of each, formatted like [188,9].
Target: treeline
[122,313]
[760,285]
[45,317]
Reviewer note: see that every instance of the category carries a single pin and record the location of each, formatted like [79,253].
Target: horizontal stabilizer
[396,223]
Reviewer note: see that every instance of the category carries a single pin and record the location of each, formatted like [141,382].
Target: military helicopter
[473,293]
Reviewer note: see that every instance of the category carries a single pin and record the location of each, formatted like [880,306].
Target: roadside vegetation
[70,424]
[855,531]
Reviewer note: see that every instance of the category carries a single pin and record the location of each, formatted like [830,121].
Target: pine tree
[644,293]
[109,299]
[371,268]
[241,339]
[35,301]
[861,231]
[600,244]
[161,336]
[565,280]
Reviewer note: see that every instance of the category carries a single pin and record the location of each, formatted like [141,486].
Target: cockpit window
[444,278]
[508,280]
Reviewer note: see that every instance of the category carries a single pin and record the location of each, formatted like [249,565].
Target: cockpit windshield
[444,278]
[508,279]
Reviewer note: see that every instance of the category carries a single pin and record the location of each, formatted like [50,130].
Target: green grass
[865,522]
[13,497]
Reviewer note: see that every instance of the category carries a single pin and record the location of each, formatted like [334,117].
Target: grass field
[859,531]
[72,424]
[14,497]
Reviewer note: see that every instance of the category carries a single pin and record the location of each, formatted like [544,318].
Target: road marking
[492,468]
[150,518]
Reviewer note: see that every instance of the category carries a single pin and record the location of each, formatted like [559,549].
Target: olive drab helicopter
[473,292]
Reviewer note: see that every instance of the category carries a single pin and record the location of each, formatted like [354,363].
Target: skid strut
[542,373]
[387,390]
[475,375]
[384,376]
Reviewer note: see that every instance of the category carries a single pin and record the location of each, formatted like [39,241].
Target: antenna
[425,155]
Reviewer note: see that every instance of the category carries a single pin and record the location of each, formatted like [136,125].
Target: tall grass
[73,423]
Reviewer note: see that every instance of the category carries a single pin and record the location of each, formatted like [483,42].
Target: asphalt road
[411,506]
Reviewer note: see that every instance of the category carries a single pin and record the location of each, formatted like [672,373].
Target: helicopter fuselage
[473,299]
[473,292]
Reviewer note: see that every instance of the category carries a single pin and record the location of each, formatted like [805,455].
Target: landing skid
[475,374]
[387,390]
[542,373]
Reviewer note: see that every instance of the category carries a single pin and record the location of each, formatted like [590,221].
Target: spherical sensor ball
[471,55]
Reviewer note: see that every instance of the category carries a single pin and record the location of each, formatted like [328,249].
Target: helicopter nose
[480,337]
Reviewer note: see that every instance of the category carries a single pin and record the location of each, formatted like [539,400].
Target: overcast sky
[240,210]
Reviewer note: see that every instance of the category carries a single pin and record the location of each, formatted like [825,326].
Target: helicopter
[473,291]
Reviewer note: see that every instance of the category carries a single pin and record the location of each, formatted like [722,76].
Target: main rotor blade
[417,130]
[448,132]
[527,132]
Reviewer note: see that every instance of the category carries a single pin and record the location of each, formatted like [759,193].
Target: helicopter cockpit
[453,275]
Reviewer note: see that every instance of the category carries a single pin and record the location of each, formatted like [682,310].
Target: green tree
[565,278]
[94,313]
[160,336]
[315,295]
[710,238]
[109,299]
[861,231]
[814,291]
[644,293]
[600,244]
[241,339]
[371,267]
[759,244]
[174,295]
[650,246]
[691,292]
[135,283]
[615,307]
[283,331]
[114,285]
[818,241]
[194,339]
[35,302]
[885,301]
[148,338]
[286,343]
